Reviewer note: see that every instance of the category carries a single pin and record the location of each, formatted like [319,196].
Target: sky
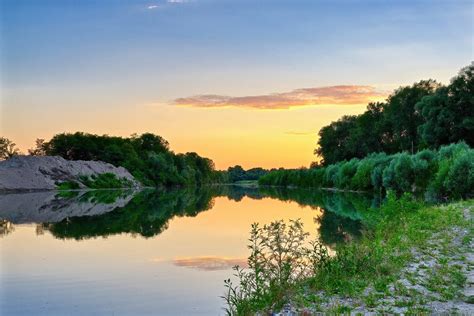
[241,82]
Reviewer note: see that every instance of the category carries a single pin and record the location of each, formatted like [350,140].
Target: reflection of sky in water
[179,271]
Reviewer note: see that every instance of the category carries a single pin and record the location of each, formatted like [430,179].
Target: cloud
[210,263]
[347,94]
[169,2]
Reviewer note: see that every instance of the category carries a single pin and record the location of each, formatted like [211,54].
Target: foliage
[425,115]
[446,173]
[375,261]
[101,181]
[237,173]
[448,115]
[68,185]
[105,181]
[8,148]
[147,157]
[280,258]
[39,149]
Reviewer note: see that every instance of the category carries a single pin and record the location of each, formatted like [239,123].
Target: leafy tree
[237,173]
[39,149]
[448,115]
[146,156]
[401,118]
[334,140]
[8,148]
[423,115]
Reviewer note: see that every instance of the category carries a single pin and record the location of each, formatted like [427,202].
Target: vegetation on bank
[101,181]
[284,267]
[425,115]
[420,141]
[147,157]
[445,173]
[238,174]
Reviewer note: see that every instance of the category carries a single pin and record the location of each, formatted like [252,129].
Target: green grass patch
[105,181]
[68,185]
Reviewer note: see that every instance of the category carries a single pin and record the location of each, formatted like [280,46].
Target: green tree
[401,118]
[8,148]
[146,156]
[449,114]
[39,149]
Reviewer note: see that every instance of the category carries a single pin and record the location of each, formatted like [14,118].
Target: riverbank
[413,258]
[423,263]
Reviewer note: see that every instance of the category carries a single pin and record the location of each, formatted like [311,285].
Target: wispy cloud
[210,263]
[164,3]
[347,94]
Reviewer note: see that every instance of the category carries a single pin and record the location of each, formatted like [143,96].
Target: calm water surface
[149,252]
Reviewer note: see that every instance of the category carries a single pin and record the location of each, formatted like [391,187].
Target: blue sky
[63,57]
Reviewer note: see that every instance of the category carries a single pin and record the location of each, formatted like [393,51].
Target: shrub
[362,177]
[459,181]
[105,181]
[345,173]
[399,175]
[442,174]
[279,259]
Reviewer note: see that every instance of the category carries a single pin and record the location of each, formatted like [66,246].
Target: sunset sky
[241,82]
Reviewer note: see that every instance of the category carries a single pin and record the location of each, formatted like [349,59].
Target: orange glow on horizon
[229,136]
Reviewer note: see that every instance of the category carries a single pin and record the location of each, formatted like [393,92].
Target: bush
[399,175]
[443,174]
[279,259]
[459,181]
[345,174]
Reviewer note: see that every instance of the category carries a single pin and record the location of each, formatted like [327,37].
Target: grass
[105,181]
[374,262]
[101,181]
[68,185]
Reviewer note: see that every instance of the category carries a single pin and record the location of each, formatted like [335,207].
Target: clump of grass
[68,185]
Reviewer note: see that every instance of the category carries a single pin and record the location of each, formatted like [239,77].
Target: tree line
[237,173]
[425,115]
[147,157]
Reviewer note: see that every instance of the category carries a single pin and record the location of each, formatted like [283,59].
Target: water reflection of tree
[147,215]
[6,228]
[149,212]
[342,213]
